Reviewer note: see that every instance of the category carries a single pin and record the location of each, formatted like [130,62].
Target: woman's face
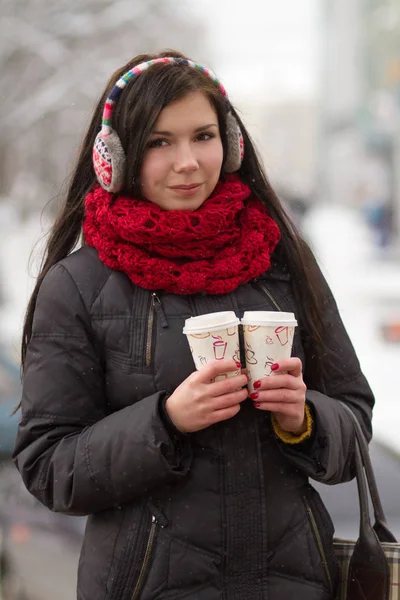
[183,158]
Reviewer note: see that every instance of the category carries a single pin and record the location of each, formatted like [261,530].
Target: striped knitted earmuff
[108,154]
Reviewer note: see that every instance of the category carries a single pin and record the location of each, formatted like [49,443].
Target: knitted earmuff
[108,154]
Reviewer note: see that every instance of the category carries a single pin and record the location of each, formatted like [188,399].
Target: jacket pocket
[134,558]
[129,344]
[144,569]
[179,569]
[322,529]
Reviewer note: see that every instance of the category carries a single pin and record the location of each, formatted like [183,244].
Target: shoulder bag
[370,566]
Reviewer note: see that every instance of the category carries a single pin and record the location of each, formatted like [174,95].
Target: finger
[215,368]
[278,381]
[224,414]
[282,395]
[292,365]
[282,408]
[231,384]
[227,400]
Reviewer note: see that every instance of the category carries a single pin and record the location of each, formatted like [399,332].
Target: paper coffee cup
[213,336]
[268,337]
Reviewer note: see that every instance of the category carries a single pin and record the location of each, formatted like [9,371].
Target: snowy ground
[366,289]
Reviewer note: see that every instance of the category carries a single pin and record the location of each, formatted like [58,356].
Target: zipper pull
[157,305]
[157,516]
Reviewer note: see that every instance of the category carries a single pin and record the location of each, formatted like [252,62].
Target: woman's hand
[284,394]
[199,401]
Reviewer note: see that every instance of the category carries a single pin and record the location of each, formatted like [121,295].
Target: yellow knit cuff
[291,438]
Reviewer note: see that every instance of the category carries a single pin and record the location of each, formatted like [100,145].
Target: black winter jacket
[224,513]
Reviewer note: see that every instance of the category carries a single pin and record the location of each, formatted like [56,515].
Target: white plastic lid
[210,322]
[263,317]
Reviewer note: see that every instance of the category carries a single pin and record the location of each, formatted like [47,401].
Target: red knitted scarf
[225,242]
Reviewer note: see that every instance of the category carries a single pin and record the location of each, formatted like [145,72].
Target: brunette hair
[133,119]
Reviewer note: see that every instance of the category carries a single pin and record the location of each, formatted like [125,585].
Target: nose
[185,159]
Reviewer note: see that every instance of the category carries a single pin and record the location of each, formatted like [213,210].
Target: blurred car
[39,551]
[391,331]
[10,395]
[41,548]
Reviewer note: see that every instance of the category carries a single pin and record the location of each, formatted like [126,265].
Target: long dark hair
[134,117]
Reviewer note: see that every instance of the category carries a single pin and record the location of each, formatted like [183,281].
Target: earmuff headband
[108,155]
[129,75]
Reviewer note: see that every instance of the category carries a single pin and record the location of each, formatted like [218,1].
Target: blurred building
[359,144]
[55,59]
[285,133]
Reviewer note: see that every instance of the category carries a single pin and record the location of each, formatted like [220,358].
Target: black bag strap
[366,484]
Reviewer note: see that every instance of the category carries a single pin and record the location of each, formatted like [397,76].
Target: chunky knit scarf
[225,242]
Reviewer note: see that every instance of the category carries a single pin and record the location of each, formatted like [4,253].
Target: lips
[191,186]
[189,190]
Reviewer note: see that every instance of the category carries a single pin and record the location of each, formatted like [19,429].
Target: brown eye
[203,137]
[157,143]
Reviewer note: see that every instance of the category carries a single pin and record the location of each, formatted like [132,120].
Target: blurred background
[317,82]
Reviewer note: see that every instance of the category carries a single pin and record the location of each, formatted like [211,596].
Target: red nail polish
[254,396]
[257,404]
[238,364]
[257,384]
[274,367]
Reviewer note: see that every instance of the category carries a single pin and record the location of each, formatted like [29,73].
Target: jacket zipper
[149,339]
[268,293]
[318,539]
[146,559]
[155,307]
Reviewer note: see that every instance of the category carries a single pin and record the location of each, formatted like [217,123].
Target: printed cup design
[219,347]
[282,333]
[250,355]
[268,364]
[215,345]
[201,336]
[264,346]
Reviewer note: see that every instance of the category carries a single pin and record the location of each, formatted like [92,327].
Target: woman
[193,490]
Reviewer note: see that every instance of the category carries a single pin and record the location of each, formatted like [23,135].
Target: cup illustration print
[201,336]
[213,337]
[219,347]
[282,333]
[250,355]
[269,340]
[236,355]
[268,364]
[251,328]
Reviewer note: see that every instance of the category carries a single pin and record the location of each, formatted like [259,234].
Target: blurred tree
[55,58]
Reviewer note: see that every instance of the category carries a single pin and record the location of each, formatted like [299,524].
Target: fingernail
[254,396]
[248,377]
[238,364]
[257,384]
[274,367]
[257,404]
